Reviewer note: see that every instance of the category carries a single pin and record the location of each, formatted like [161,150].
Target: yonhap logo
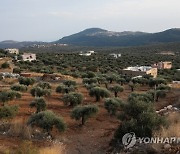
[129,140]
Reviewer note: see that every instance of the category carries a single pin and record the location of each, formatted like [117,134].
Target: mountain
[101,37]
[16,44]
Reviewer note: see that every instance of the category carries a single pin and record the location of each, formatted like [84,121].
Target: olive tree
[69,83]
[18,87]
[26,81]
[39,92]
[83,113]
[7,112]
[116,89]
[139,117]
[47,120]
[99,92]
[44,85]
[39,104]
[65,89]
[6,96]
[112,105]
[72,99]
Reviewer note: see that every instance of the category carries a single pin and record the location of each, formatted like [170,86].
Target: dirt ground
[94,137]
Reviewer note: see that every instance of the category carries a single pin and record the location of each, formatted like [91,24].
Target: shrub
[99,92]
[8,111]
[17,70]
[138,117]
[112,105]
[84,112]
[18,87]
[72,99]
[5,65]
[47,120]
[163,87]
[39,104]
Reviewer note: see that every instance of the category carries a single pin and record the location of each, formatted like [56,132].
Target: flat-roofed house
[139,71]
[163,65]
[12,51]
[28,57]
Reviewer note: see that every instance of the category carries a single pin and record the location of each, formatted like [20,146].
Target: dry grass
[20,129]
[174,126]
[55,149]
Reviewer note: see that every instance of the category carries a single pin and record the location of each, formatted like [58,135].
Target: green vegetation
[26,81]
[116,89]
[6,96]
[18,87]
[84,112]
[39,92]
[99,92]
[39,104]
[72,99]
[112,105]
[7,112]
[47,120]
[5,65]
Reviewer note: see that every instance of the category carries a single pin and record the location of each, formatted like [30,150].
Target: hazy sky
[49,20]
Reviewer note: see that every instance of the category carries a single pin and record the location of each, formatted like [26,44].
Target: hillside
[16,44]
[100,37]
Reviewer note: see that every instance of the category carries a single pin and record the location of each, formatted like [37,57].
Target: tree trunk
[115,94]
[83,120]
[97,98]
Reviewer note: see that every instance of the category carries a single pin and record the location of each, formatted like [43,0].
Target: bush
[26,81]
[39,104]
[39,92]
[72,99]
[47,120]
[5,65]
[112,105]
[18,87]
[84,112]
[139,117]
[8,111]
[99,92]
[17,70]
[163,87]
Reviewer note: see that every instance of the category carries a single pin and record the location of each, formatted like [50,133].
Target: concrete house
[115,55]
[12,51]
[28,57]
[139,71]
[163,65]
[88,53]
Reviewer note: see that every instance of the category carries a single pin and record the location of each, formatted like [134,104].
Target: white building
[140,71]
[115,55]
[88,53]
[12,51]
[28,57]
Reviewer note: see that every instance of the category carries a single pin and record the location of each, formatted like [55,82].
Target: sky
[50,20]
